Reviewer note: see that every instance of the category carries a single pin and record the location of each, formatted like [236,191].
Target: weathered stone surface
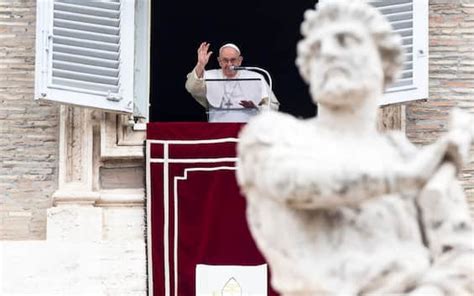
[451,76]
[363,212]
[28,130]
[45,268]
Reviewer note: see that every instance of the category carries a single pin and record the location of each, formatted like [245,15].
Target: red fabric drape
[197,212]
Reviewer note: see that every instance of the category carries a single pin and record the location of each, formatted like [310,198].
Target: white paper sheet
[231,280]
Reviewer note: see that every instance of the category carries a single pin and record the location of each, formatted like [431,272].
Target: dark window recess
[266,31]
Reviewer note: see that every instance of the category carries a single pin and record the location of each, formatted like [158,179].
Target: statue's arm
[272,163]
[451,150]
[445,218]
[275,163]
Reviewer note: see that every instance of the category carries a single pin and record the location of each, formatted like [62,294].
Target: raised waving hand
[203,55]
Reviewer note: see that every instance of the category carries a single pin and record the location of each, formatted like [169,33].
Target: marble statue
[339,208]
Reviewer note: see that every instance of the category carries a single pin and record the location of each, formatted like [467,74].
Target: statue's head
[348,53]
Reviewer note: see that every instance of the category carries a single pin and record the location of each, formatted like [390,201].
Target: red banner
[196,214]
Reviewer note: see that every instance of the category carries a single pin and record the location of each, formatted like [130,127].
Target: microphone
[237,68]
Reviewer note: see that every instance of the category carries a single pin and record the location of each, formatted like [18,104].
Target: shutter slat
[400,84]
[115,5]
[406,74]
[81,26]
[391,2]
[80,59]
[105,21]
[389,9]
[400,15]
[408,67]
[86,35]
[400,25]
[405,33]
[85,69]
[85,77]
[81,43]
[81,85]
[407,40]
[87,10]
[86,52]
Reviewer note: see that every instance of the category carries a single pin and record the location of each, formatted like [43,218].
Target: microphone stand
[258,69]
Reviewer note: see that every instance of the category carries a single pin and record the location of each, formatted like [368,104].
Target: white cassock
[224,95]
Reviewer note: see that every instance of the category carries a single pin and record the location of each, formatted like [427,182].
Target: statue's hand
[460,137]
[453,148]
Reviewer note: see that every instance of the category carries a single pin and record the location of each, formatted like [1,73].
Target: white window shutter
[85,53]
[410,19]
[142,58]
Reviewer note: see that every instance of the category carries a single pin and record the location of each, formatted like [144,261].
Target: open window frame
[94,54]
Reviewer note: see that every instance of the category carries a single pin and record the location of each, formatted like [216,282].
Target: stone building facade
[72,184]
[451,64]
[72,179]
[29,130]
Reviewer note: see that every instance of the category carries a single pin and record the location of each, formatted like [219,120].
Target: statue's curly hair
[326,11]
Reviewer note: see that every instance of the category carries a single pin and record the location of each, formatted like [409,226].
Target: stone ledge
[103,198]
[121,197]
[80,269]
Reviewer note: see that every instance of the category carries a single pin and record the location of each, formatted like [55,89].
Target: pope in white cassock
[228,95]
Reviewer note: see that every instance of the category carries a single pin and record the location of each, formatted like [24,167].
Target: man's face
[227,58]
[345,66]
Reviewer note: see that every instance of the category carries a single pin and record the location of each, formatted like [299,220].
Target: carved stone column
[76,157]
[99,153]
[73,217]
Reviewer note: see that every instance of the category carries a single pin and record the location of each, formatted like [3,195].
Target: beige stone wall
[93,243]
[43,268]
[89,251]
[451,77]
[30,140]
[28,129]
